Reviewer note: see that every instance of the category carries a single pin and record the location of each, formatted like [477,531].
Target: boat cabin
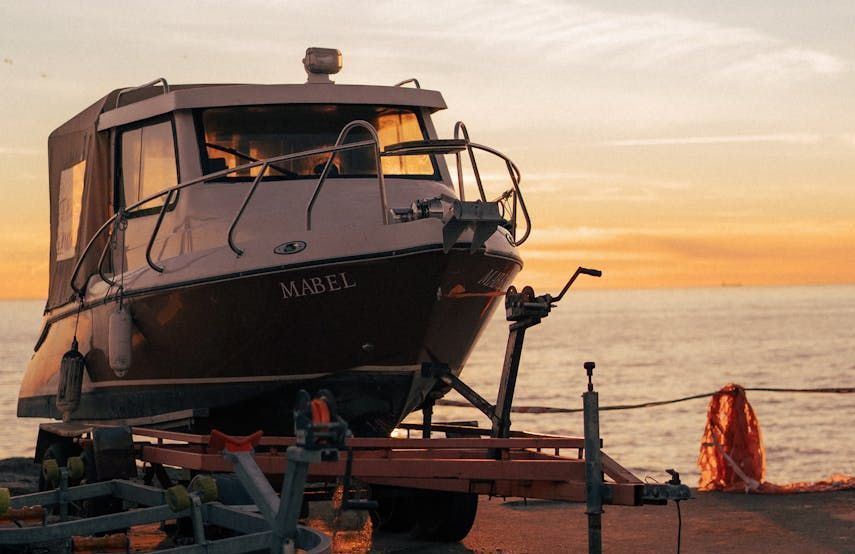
[130,146]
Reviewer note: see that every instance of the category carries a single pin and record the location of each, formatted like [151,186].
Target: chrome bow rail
[509,201]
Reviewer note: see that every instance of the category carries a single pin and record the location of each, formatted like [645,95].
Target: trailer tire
[444,516]
[394,514]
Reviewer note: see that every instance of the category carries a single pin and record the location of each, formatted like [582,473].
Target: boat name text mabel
[316,285]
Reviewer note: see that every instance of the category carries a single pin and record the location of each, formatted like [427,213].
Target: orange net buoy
[732,457]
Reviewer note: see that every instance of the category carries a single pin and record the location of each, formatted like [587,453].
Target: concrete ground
[812,523]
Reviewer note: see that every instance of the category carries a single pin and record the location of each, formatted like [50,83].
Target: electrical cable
[679,525]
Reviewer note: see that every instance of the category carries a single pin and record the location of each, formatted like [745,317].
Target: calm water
[648,345]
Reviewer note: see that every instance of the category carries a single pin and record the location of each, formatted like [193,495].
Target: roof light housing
[320,63]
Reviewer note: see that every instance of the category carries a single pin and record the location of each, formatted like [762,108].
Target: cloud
[555,34]
[784,65]
[785,138]
[798,139]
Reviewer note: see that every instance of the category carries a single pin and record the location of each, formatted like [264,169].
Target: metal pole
[505,400]
[291,498]
[593,465]
[427,416]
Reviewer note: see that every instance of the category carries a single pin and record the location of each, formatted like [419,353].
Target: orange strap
[320,411]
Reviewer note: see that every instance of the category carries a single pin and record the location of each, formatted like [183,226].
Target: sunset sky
[667,143]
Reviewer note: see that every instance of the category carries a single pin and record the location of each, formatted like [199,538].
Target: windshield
[234,136]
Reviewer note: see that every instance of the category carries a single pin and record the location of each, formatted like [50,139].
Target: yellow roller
[177,498]
[50,470]
[4,500]
[205,486]
[76,468]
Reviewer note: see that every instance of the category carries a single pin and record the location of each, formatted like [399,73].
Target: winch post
[593,464]
[508,381]
[523,309]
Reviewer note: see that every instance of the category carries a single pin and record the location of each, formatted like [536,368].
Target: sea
[648,345]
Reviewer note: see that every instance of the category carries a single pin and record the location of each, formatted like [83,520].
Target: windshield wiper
[239,154]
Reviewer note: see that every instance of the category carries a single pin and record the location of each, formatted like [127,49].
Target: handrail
[515,174]
[202,179]
[239,213]
[339,146]
[117,223]
[156,229]
[142,86]
[458,128]
[513,171]
[384,204]
[406,81]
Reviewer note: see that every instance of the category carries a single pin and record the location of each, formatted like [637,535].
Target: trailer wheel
[394,514]
[444,516]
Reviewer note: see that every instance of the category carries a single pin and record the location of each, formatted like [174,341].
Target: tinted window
[234,136]
[148,163]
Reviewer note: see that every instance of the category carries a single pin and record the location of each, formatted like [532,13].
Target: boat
[216,248]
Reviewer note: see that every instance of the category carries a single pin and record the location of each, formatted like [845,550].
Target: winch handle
[579,271]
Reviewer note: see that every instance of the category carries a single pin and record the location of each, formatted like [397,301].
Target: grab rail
[407,81]
[384,205]
[116,225]
[205,178]
[156,230]
[513,171]
[239,213]
[515,175]
[458,128]
[142,86]
[339,146]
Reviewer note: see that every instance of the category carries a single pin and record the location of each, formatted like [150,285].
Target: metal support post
[291,498]
[62,494]
[508,381]
[441,372]
[593,465]
[427,416]
[197,519]
[255,483]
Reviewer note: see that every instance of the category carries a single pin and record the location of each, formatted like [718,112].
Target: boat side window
[148,164]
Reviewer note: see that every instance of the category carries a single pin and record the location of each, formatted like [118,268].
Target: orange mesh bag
[732,456]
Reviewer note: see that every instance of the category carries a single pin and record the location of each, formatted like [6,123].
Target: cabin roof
[152,102]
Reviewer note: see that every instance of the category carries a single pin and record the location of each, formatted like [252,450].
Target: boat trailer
[441,476]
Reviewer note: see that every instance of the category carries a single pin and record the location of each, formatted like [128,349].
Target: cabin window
[148,163]
[69,206]
[238,135]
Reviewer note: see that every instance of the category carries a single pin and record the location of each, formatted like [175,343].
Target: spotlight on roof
[320,63]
